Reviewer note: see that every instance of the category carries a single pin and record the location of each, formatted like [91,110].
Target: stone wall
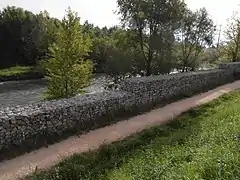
[28,126]
[156,89]
[54,117]
[235,66]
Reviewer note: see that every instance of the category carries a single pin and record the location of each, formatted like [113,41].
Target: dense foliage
[232,49]
[157,37]
[153,23]
[195,33]
[24,36]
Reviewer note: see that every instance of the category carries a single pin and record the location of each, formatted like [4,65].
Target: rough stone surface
[24,122]
[235,66]
[156,89]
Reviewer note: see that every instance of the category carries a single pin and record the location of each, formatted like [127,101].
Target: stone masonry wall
[235,66]
[54,117]
[156,89]
[27,123]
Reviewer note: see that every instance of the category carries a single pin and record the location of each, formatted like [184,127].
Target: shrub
[67,71]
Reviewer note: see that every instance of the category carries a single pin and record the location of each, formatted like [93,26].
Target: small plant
[67,71]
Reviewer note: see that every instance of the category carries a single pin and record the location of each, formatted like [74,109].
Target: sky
[101,12]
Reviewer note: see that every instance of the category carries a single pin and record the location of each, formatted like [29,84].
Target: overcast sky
[100,12]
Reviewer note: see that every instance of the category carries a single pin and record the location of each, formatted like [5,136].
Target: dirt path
[46,157]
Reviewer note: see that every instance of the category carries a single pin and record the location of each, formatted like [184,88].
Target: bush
[68,72]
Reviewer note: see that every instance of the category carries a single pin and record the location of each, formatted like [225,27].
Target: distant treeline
[156,37]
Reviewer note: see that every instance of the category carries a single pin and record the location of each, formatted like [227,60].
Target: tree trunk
[183,69]
[148,68]
[234,57]
[149,62]
[236,48]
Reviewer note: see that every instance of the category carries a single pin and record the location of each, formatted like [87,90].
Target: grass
[15,71]
[200,144]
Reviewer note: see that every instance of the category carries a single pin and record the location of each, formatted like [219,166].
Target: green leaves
[195,33]
[154,22]
[232,34]
[25,37]
[68,72]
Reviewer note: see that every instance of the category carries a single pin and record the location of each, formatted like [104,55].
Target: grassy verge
[14,71]
[20,73]
[201,144]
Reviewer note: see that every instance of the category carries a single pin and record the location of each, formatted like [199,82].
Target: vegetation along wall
[31,125]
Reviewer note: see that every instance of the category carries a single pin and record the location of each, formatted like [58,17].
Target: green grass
[15,71]
[200,144]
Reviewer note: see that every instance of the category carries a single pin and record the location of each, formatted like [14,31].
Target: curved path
[47,157]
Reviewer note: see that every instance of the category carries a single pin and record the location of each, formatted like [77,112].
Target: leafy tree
[12,46]
[68,72]
[195,33]
[110,49]
[119,55]
[232,34]
[100,38]
[32,33]
[24,36]
[154,22]
[48,26]
[210,56]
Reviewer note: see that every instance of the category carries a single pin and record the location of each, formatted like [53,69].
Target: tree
[24,36]
[210,56]
[99,44]
[48,26]
[32,33]
[119,53]
[232,34]
[154,22]
[68,72]
[12,46]
[195,33]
